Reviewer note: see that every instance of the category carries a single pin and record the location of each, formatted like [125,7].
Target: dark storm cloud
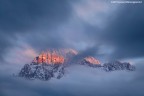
[23,14]
[45,40]
[21,17]
[91,51]
[4,43]
[126,32]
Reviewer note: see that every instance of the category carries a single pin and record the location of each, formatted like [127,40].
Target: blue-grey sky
[115,30]
[94,27]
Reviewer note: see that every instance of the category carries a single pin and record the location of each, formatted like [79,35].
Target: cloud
[80,25]
[120,30]
[93,12]
[78,80]
[94,27]
[22,15]
[125,32]
[33,18]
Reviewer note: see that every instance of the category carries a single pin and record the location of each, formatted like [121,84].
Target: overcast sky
[94,27]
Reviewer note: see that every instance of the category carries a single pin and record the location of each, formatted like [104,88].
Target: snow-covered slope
[116,65]
[52,64]
[42,71]
[90,61]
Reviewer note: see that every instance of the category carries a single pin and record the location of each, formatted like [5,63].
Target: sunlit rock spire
[55,56]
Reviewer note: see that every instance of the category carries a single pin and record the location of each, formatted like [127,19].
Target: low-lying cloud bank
[79,80]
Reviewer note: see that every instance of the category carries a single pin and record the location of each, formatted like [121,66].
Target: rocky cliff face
[117,65]
[42,71]
[90,61]
[55,56]
[52,64]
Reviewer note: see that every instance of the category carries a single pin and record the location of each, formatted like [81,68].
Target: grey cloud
[19,18]
[124,29]
[91,51]
[126,32]
[79,80]
[21,15]
[44,40]
[37,23]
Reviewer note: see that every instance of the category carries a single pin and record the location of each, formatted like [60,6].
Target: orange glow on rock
[92,60]
[61,56]
[49,58]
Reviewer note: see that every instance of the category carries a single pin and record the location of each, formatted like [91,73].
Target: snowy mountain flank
[53,62]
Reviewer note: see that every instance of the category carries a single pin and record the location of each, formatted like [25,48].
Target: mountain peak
[52,63]
[92,60]
[55,56]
